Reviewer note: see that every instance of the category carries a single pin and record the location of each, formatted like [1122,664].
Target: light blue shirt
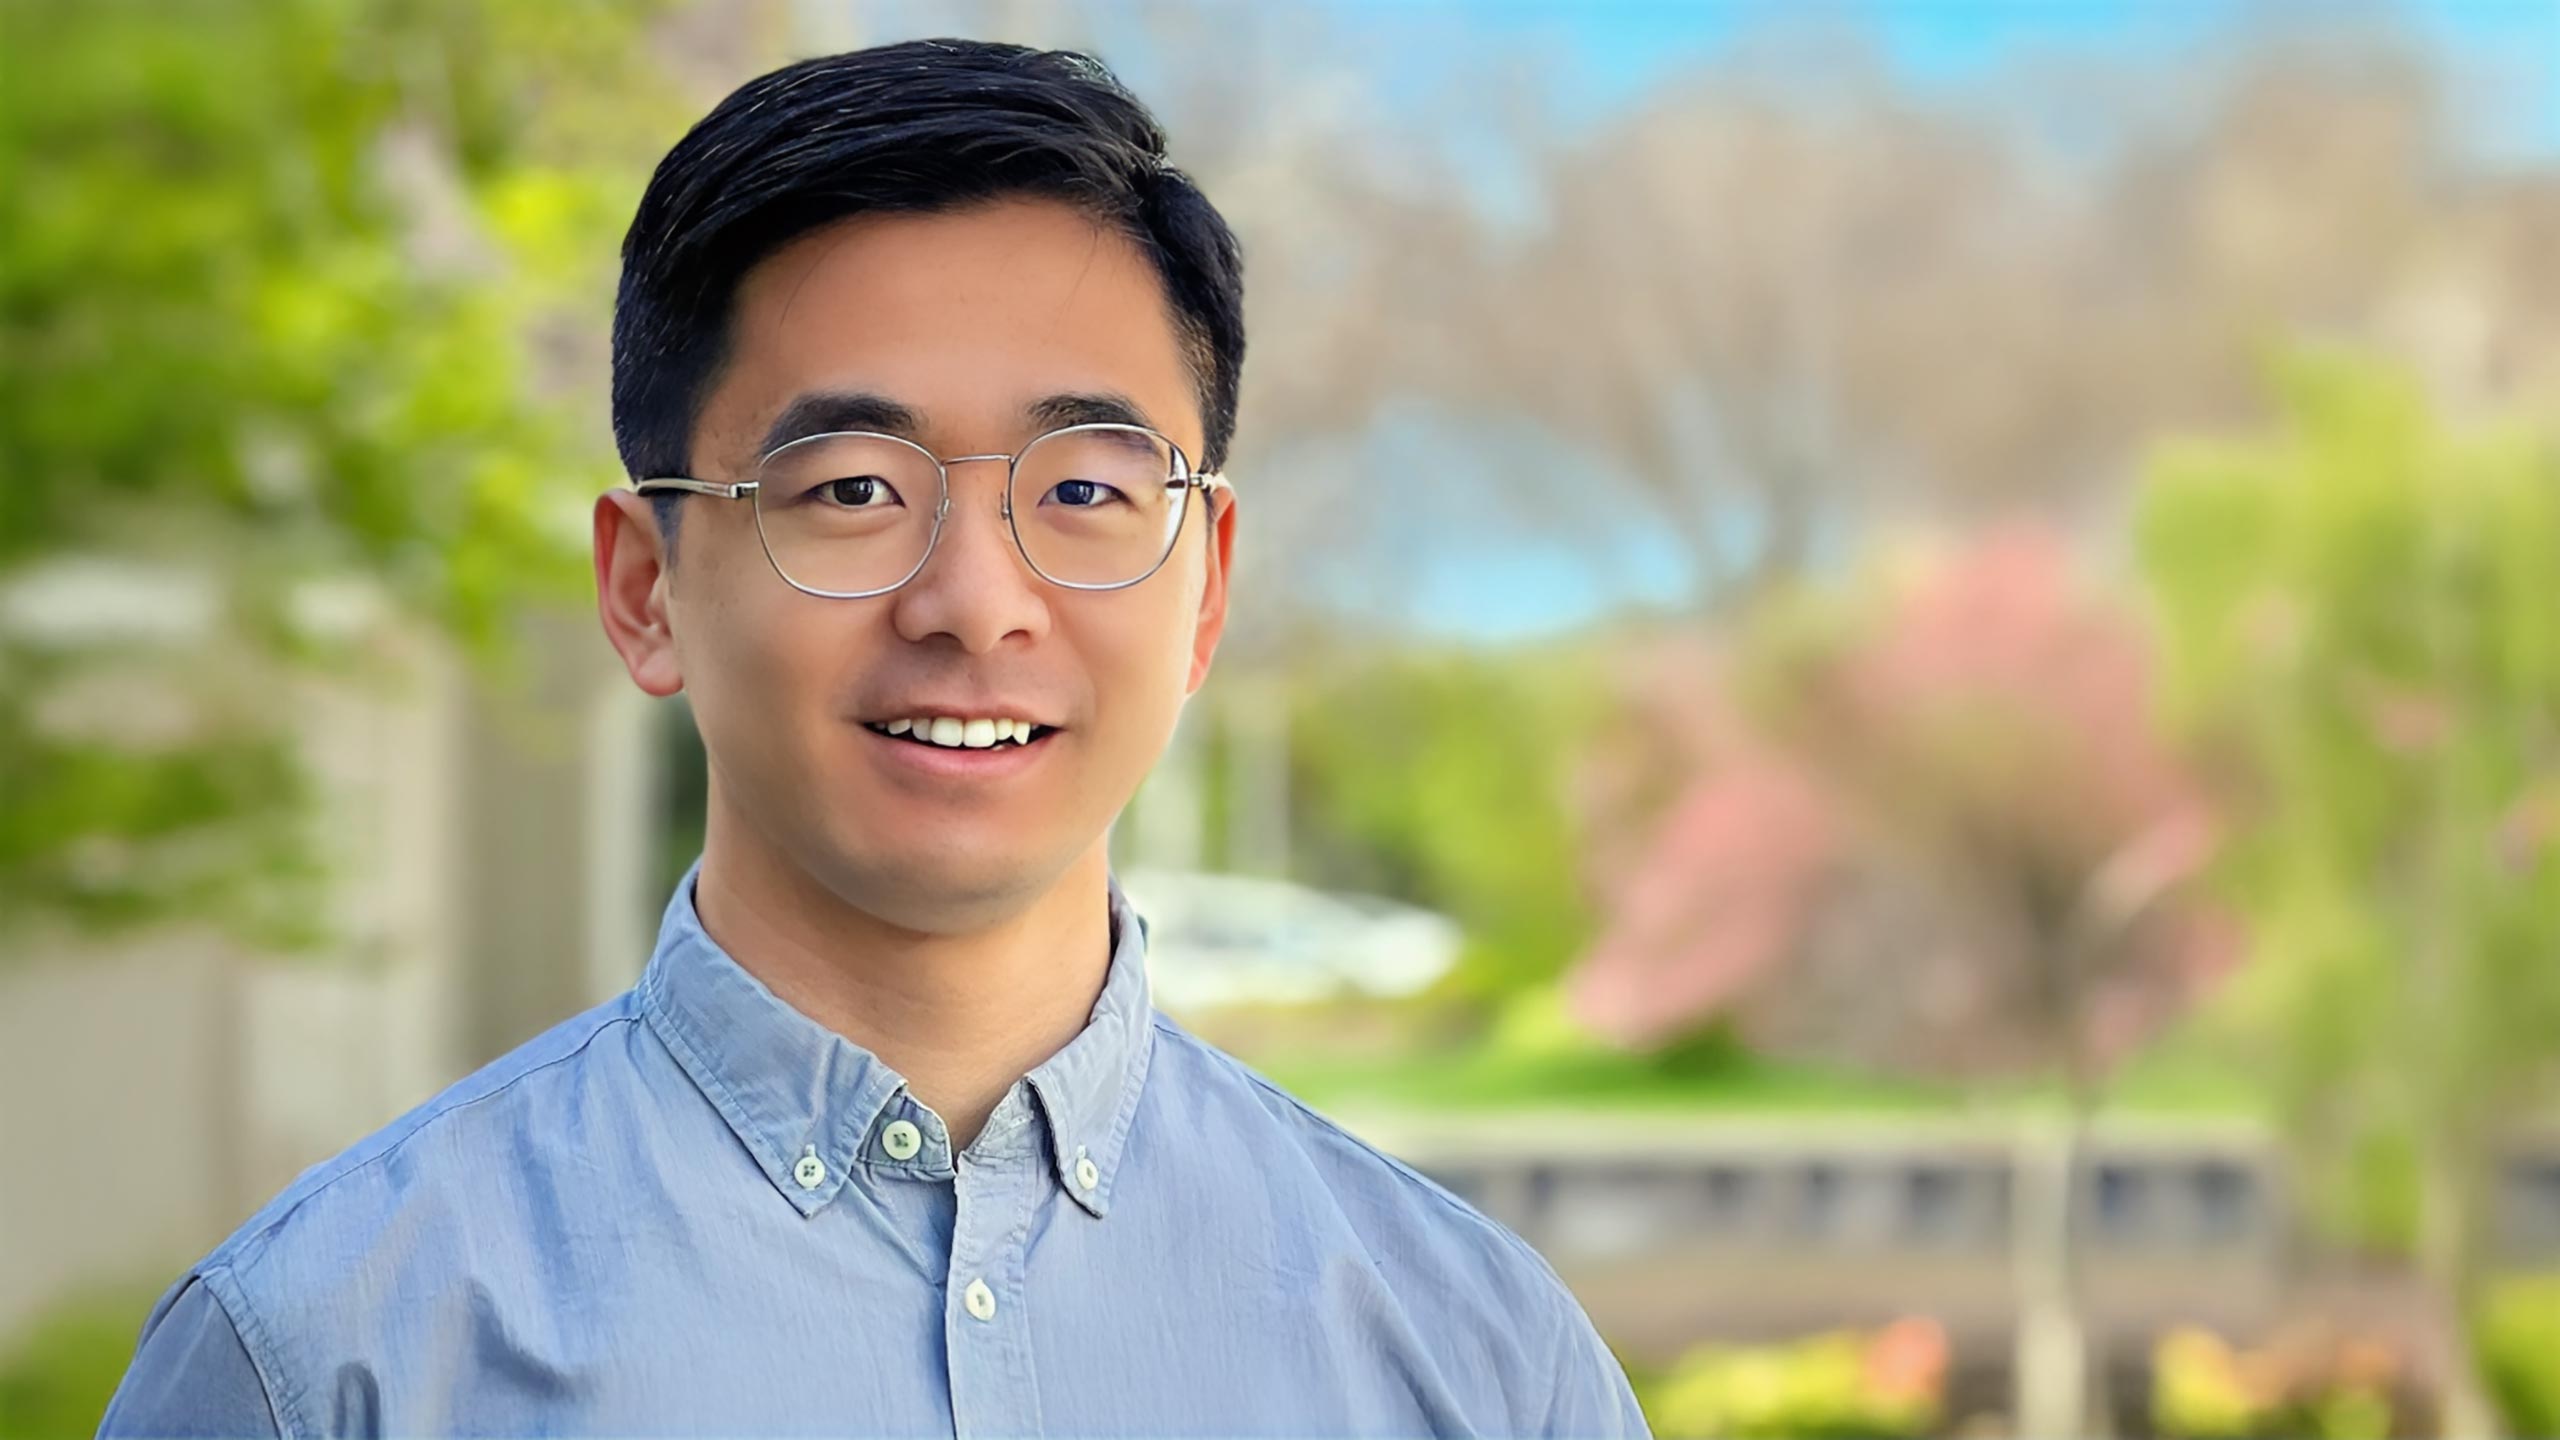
[695,1210]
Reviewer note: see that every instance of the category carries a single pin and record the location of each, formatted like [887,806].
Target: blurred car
[1219,940]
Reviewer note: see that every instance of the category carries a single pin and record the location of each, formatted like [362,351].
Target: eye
[1084,494]
[858,492]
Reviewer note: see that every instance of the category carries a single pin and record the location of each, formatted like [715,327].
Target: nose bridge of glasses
[1004,498]
[949,516]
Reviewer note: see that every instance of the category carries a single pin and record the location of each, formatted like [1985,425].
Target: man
[924,361]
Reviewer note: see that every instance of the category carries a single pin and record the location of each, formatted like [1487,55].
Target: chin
[939,890]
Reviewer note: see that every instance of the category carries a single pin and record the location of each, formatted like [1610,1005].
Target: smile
[976,755]
[951,732]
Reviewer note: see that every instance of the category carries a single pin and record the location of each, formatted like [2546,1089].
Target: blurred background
[1895,678]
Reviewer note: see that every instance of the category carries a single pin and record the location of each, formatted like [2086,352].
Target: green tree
[2360,615]
[300,311]
[1440,778]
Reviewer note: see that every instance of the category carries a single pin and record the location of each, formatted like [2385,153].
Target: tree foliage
[1441,779]
[1931,827]
[2360,615]
[293,307]
[2359,612]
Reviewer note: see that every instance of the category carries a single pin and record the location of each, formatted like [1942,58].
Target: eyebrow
[827,411]
[1101,408]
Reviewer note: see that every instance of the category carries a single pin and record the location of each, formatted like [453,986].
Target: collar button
[902,1140]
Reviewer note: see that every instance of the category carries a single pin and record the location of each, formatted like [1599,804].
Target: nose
[975,587]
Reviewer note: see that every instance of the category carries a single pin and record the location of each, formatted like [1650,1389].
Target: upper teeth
[973,734]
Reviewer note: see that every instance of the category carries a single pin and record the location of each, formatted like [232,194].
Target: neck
[960,1015]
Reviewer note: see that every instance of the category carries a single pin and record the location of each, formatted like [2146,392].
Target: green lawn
[57,1376]
[1714,1080]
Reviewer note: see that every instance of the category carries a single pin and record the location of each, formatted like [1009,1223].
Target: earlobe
[631,591]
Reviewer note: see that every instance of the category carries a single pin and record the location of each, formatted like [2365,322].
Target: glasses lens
[1098,504]
[847,513]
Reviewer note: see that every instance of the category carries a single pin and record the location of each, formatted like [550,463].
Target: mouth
[980,753]
[953,733]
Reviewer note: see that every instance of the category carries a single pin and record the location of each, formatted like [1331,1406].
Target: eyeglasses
[845,515]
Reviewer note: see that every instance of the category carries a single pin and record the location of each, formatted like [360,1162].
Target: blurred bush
[58,1379]
[1891,1382]
[2300,1384]
[2518,1337]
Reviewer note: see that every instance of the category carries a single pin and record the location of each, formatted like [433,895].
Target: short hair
[915,127]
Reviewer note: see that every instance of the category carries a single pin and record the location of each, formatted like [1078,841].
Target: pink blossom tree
[1933,830]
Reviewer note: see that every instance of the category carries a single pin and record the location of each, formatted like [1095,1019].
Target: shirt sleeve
[190,1375]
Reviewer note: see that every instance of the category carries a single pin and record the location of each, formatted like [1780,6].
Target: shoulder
[387,1216]
[432,1161]
[1426,1240]
[1493,1313]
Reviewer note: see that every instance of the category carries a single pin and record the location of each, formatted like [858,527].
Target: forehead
[969,318]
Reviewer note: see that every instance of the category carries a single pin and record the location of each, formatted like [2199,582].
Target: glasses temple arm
[692,487]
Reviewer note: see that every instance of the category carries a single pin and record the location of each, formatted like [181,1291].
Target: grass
[1718,1077]
[57,1378]
[1488,1078]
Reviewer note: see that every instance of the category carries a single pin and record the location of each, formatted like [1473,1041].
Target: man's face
[970,320]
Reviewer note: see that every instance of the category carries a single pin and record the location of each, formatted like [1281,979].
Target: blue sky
[1613,51]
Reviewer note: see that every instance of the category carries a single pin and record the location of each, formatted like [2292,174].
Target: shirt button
[980,1300]
[1088,1174]
[810,1171]
[902,1140]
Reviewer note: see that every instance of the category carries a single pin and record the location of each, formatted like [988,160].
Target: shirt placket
[987,1335]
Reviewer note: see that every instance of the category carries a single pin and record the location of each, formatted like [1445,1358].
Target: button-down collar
[795,1091]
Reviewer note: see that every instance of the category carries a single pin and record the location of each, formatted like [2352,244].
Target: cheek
[1140,657]
[761,674]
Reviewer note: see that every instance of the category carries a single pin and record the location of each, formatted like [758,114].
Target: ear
[1212,621]
[631,590]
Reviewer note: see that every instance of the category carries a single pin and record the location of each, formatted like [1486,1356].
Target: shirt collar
[809,1104]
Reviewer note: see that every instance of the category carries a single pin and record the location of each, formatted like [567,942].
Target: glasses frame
[1182,478]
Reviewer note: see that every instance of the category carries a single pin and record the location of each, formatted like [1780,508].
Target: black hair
[915,127]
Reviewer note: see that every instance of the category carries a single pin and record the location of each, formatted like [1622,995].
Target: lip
[996,762]
[1009,709]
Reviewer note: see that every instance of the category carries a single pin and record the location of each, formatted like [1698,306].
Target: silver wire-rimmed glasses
[852,514]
